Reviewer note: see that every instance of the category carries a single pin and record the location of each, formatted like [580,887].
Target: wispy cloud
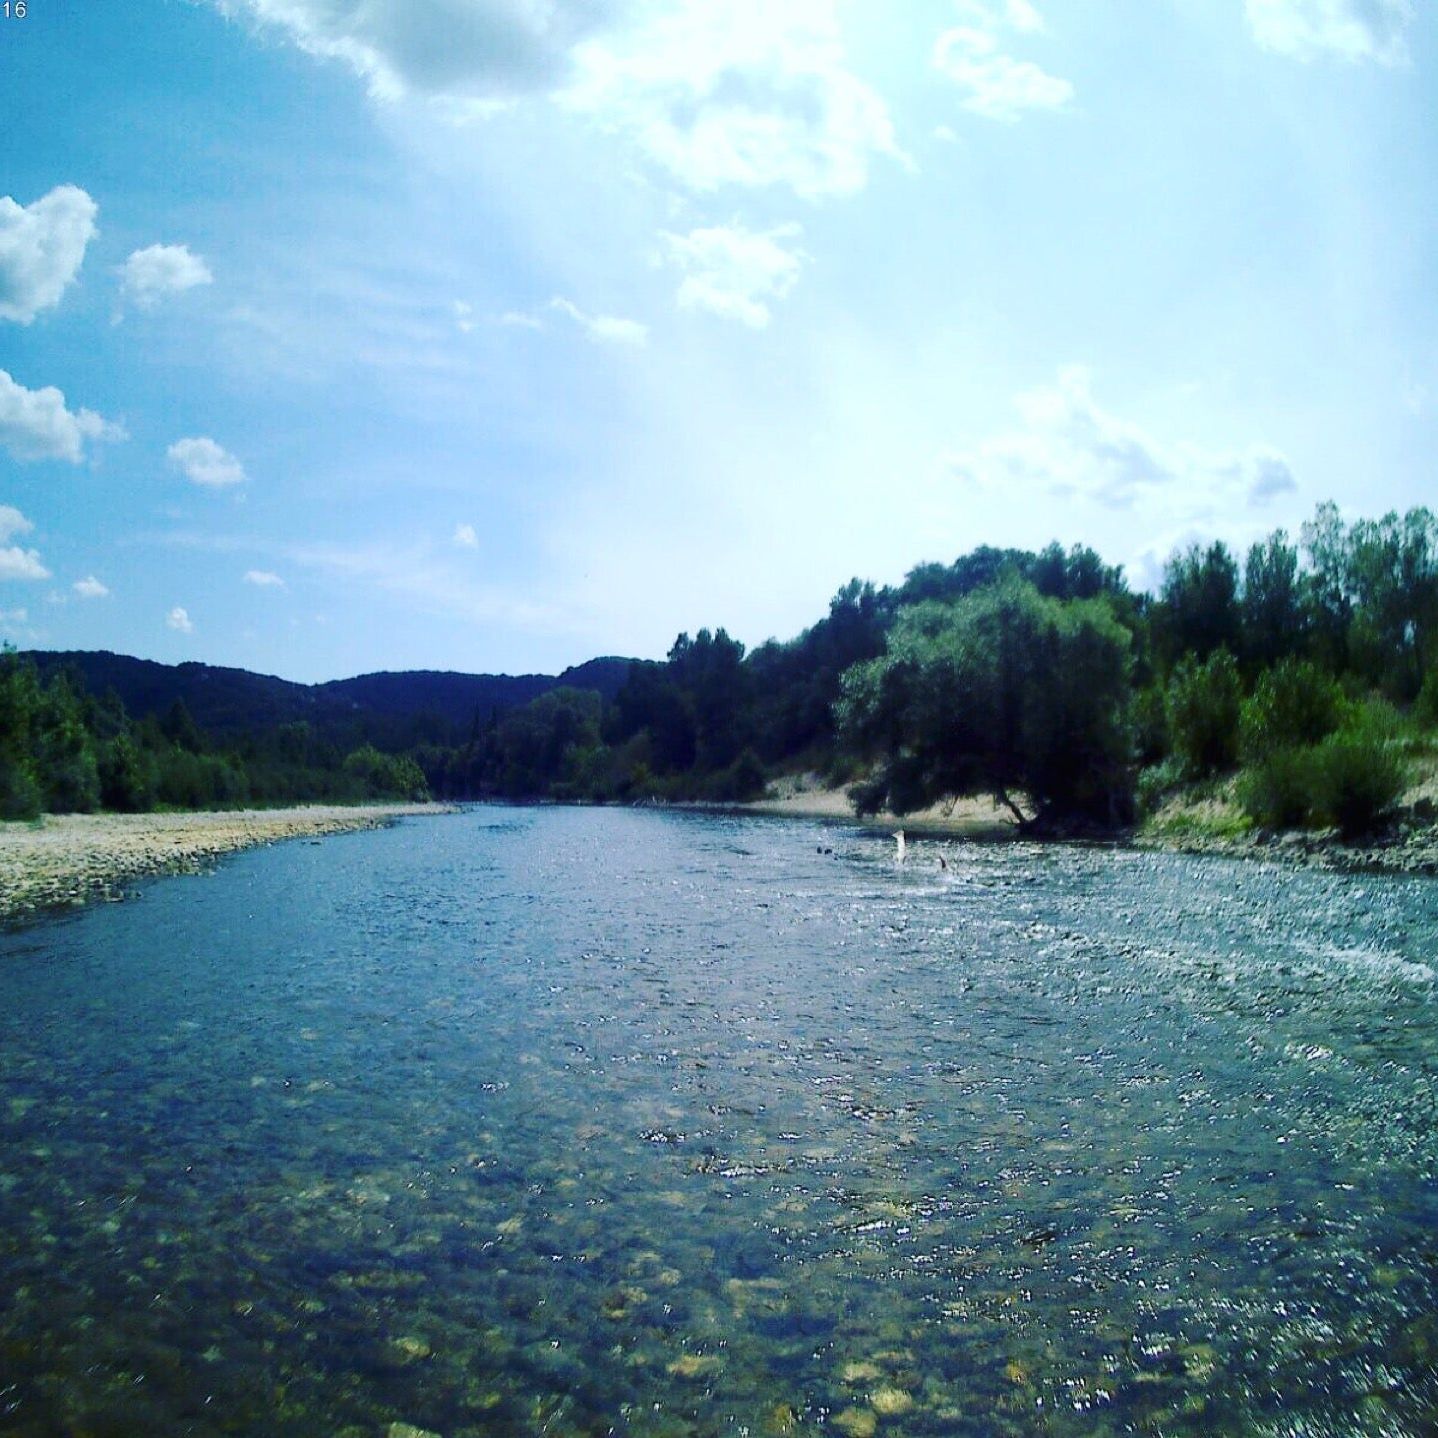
[424,576]
[735,272]
[90,588]
[465,536]
[713,92]
[739,92]
[993,82]
[1069,447]
[603,329]
[264,579]
[1351,30]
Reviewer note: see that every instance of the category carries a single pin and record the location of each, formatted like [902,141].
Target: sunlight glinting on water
[589,1121]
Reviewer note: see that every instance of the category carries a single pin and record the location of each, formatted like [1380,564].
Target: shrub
[1293,704]
[742,780]
[19,793]
[1155,784]
[1359,780]
[1281,791]
[127,776]
[72,783]
[1203,705]
[1150,725]
[1425,707]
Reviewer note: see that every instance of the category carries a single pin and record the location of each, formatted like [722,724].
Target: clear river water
[582,1121]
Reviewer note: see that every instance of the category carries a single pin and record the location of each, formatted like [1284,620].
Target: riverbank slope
[66,859]
[1210,823]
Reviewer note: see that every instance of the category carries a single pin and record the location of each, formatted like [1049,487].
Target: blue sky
[493,335]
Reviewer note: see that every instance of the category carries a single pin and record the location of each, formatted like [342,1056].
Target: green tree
[1198,610]
[63,750]
[1293,704]
[1005,692]
[20,793]
[1203,704]
[1274,614]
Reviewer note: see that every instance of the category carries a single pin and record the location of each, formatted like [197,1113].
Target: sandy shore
[71,858]
[1408,845]
[966,819]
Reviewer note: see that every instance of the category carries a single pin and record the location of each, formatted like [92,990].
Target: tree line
[63,750]
[1303,673]
[1305,670]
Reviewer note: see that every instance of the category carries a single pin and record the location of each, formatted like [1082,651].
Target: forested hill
[1300,680]
[229,702]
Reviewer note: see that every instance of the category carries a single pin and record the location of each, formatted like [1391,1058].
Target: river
[583,1121]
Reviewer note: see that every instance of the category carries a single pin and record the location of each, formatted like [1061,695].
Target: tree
[1198,610]
[20,794]
[1275,618]
[1203,705]
[1293,704]
[709,669]
[1005,692]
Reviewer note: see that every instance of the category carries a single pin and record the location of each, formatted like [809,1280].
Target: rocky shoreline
[1407,847]
[65,860]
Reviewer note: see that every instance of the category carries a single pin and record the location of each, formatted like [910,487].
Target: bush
[1425,707]
[1155,784]
[1150,725]
[1293,705]
[1360,779]
[19,793]
[1203,705]
[740,781]
[72,783]
[1282,790]
[376,775]
[127,777]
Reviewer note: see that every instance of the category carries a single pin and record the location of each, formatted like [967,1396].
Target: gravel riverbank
[69,859]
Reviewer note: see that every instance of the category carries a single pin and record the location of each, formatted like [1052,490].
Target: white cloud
[714,91]
[12,522]
[1267,476]
[732,271]
[745,92]
[264,579]
[1351,30]
[996,85]
[1069,447]
[154,274]
[41,249]
[204,462]
[90,588]
[463,316]
[178,620]
[465,536]
[455,49]
[17,563]
[603,329]
[519,320]
[35,424]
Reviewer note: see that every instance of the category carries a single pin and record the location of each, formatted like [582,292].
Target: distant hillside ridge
[226,702]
